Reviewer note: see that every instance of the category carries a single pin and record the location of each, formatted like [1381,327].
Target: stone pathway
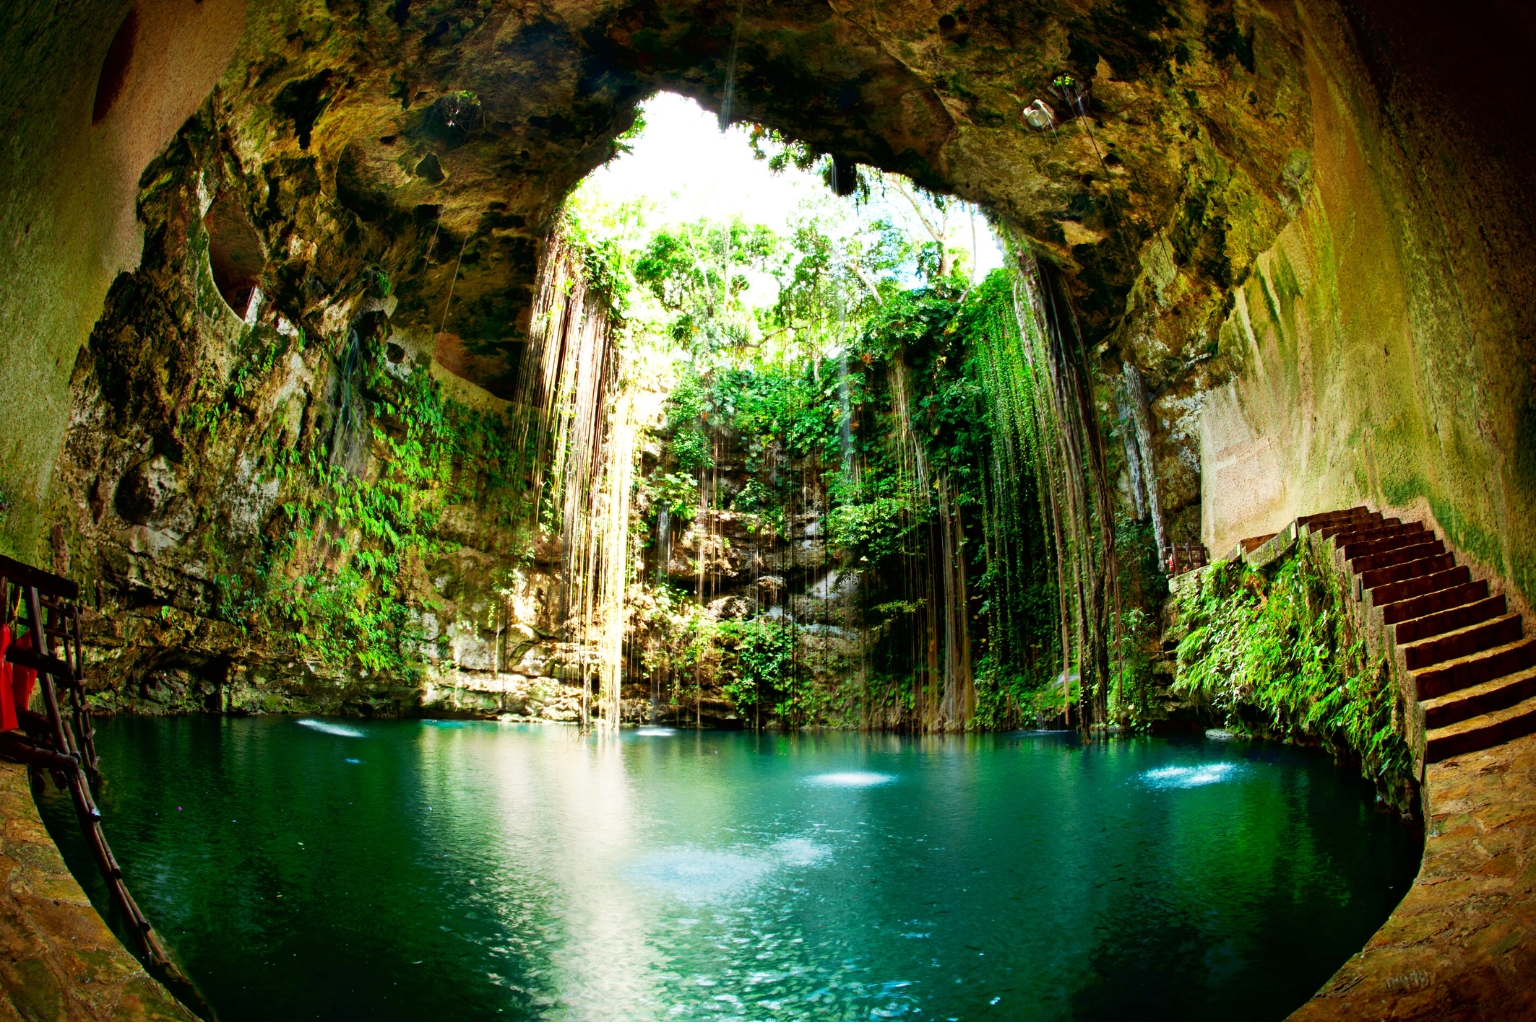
[58,959]
[1462,944]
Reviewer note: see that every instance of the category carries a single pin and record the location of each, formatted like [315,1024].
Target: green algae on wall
[270,516]
[1379,347]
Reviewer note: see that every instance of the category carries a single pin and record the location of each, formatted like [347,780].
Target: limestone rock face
[1250,200]
[437,140]
[184,467]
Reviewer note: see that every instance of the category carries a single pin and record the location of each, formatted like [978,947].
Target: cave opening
[750,289]
[235,256]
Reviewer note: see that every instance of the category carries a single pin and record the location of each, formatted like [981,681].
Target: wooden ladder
[61,746]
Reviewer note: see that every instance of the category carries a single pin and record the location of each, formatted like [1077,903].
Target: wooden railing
[44,610]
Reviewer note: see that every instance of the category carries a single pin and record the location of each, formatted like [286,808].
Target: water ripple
[694,874]
[851,779]
[1185,776]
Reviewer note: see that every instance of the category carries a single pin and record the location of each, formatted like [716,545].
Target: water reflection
[850,779]
[334,729]
[486,870]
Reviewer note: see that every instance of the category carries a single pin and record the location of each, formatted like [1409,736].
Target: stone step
[1481,731]
[1466,640]
[1318,520]
[1365,542]
[1347,527]
[1449,618]
[1406,570]
[1319,524]
[1388,594]
[1483,699]
[1472,667]
[1341,515]
[1470,670]
[1409,549]
[1407,535]
[1434,601]
[1351,533]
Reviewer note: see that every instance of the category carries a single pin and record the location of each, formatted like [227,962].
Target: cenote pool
[346,869]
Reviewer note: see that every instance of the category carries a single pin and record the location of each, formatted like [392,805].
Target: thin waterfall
[663,542]
[729,99]
[846,406]
[608,553]
[959,696]
[946,697]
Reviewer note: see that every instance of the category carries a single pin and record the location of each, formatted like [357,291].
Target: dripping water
[729,100]
[663,542]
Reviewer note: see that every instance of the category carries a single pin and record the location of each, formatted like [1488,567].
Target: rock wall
[266,520]
[1383,345]
[79,129]
[443,135]
[740,563]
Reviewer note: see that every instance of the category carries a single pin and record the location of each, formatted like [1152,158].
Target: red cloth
[7,706]
[22,679]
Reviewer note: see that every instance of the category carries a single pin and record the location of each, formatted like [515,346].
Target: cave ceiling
[435,141]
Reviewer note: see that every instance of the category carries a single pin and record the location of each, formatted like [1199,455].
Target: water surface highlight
[485,870]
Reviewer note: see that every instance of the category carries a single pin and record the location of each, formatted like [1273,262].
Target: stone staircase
[1458,649]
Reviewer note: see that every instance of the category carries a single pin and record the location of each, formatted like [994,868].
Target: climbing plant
[1277,653]
[337,566]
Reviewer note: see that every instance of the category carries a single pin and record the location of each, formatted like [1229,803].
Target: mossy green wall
[1383,338]
[67,189]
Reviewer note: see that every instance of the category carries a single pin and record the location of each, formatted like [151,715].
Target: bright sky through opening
[686,169]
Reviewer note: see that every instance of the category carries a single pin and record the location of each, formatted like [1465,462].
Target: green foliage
[603,264]
[335,568]
[780,151]
[799,392]
[875,519]
[1282,652]
[678,493]
[760,655]
[687,409]
[696,273]
[624,142]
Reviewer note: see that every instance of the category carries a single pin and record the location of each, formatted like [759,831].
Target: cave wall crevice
[67,198]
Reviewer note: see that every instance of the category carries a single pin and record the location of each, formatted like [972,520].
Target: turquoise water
[347,869]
